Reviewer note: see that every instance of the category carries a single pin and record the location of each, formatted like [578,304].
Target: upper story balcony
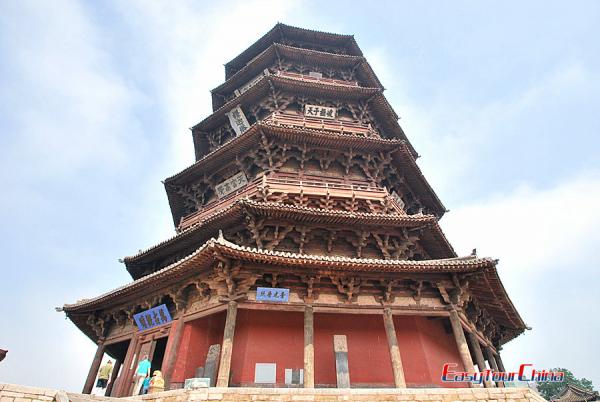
[339,126]
[306,191]
[315,77]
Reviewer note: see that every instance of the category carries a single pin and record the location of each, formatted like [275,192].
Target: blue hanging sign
[272,294]
[154,317]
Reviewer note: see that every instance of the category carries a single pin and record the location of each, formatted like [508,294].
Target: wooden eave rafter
[267,83]
[235,212]
[276,50]
[307,135]
[227,153]
[201,259]
[492,296]
[383,111]
[279,33]
[408,162]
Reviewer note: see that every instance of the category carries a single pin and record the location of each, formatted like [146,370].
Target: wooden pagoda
[306,187]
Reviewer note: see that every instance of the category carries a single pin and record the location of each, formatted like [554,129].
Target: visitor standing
[142,371]
[104,374]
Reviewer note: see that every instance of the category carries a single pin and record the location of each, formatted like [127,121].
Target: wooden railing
[309,78]
[306,183]
[338,126]
[289,184]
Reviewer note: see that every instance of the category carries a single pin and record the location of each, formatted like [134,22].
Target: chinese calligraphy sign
[230,185]
[321,112]
[154,317]
[272,294]
[238,121]
[397,198]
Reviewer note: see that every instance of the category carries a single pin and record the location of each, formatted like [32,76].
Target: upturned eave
[203,256]
[228,151]
[235,212]
[279,33]
[270,55]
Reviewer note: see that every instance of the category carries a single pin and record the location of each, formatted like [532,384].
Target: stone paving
[20,393]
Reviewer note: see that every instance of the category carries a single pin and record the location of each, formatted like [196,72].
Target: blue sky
[501,99]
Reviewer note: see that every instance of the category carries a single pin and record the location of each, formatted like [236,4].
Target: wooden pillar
[489,354]
[388,322]
[113,377]
[500,362]
[171,351]
[461,343]
[227,348]
[89,382]
[479,357]
[309,348]
[125,379]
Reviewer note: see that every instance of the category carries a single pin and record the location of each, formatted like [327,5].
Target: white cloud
[456,134]
[530,227]
[547,243]
[69,106]
[192,43]
[74,106]
[77,103]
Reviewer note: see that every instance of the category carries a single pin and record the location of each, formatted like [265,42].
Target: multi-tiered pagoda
[308,250]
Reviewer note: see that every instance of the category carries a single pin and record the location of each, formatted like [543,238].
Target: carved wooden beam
[347,286]
[310,281]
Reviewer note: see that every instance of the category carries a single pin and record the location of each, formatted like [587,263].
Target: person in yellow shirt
[104,374]
[157,383]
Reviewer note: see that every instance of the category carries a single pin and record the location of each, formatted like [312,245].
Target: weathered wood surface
[390,331]
[227,347]
[340,348]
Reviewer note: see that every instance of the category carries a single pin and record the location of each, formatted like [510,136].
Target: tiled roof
[202,257]
[307,87]
[302,214]
[311,136]
[573,393]
[281,31]
[228,152]
[264,60]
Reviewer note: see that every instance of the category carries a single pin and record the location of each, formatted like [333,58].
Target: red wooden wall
[425,346]
[278,337]
[266,337]
[197,336]
[369,361]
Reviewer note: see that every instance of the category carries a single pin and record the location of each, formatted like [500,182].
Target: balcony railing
[337,126]
[310,78]
[289,184]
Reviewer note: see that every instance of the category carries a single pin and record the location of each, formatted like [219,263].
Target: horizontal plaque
[153,317]
[322,112]
[272,294]
[230,185]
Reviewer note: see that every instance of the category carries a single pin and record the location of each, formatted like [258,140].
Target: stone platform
[19,393]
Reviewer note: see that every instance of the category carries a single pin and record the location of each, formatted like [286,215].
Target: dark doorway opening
[159,354]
